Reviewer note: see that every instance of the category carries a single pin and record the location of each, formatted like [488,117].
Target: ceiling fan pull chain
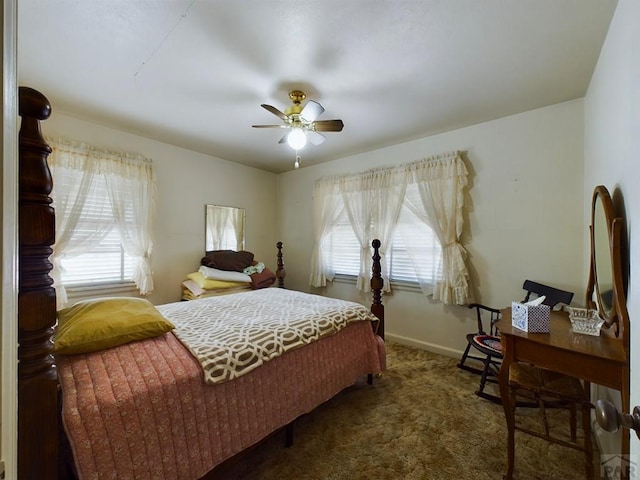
[296,164]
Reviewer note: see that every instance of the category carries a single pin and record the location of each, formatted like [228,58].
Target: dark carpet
[419,420]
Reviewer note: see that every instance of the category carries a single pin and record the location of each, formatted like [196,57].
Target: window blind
[106,263]
[342,250]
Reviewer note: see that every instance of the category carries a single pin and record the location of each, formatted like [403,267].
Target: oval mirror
[605,290]
[603,276]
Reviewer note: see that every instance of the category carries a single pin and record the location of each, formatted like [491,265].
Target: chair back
[491,314]
[553,296]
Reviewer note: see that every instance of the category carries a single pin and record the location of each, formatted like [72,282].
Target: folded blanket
[223,275]
[211,284]
[228,260]
[257,268]
[263,279]
[189,294]
[193,287]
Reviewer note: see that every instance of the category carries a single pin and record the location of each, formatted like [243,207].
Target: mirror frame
[617,315]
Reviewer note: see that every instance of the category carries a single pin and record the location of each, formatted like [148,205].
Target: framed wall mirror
[605,290]
[224,228]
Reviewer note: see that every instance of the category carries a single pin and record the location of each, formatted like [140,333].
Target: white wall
[612,149]
[9,242]
[525,218]
[186,182]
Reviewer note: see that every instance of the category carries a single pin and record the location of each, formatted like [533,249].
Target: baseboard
[430,347]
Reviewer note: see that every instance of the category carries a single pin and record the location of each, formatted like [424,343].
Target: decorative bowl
[585,321]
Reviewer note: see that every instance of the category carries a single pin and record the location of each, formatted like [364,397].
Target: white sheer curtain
[374,202]
[74,174]
[237,220]
[441,180]
[327,208]
[356,196]
[425,253]
[387,196]
[131,186]
[95,191]
[216,219]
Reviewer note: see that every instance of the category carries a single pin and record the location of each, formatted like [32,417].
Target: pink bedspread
[142,410]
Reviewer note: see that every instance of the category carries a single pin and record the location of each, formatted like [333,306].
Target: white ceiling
[193,73]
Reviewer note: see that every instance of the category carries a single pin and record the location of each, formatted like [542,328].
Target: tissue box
[531,318]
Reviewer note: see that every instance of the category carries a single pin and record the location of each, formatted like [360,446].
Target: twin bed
[179,403]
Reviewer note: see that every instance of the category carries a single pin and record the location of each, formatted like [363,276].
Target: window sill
[395,285]
[78,293]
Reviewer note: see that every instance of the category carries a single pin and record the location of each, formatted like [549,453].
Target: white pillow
[227,276]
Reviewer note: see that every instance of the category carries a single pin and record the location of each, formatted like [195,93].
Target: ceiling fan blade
[328,125]
[311,111]
[270,126]
[275,111]
[315,138]
[284,138]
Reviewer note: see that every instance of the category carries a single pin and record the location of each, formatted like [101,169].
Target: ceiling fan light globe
[297,139]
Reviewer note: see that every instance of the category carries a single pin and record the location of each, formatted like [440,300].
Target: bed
[144,409]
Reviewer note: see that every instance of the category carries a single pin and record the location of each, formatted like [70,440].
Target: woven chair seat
[545,383]
[488,344]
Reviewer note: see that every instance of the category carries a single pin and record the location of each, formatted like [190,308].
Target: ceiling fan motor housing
[293,110]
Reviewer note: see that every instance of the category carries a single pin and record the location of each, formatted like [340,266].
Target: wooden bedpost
[377,308]
[37,375]
[280,272]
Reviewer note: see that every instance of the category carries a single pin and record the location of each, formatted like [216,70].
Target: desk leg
[507,403]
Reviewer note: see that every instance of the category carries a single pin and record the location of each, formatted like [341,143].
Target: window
[415,251]
[342,250]
[106,262]
[104,205]
[415,210]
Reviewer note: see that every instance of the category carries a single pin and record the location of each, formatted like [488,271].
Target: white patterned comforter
[234,334]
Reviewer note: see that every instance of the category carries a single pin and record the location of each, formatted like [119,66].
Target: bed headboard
[37,376]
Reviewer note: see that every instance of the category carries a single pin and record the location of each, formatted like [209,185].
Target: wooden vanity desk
[602,360]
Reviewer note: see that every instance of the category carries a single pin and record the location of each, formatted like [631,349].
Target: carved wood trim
[377,308]
[281,273]
[37,375]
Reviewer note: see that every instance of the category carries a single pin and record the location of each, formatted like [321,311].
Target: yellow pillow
[98,324]
[211,284]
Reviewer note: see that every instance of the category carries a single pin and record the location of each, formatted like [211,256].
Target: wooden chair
[546,389]
[486,342]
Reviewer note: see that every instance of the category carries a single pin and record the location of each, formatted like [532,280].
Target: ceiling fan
[302,121]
